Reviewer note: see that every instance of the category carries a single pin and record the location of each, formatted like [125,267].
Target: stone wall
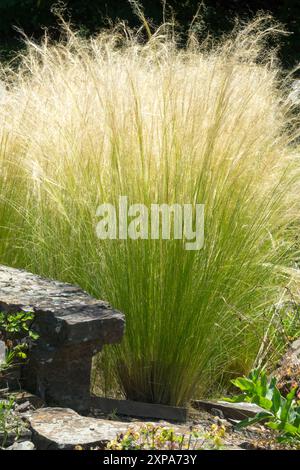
[72,327]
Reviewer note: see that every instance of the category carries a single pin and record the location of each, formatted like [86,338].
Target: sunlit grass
[83,122]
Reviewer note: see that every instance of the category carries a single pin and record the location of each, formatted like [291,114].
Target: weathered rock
[72,325]
[27,397]
[217,412]
[288,371]
[23,407]
[63,428]
[236,411]
[26,445]
[64,314]
[139,409]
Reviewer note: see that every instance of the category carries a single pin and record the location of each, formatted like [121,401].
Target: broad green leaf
[264,384]
[287,405]
[243,384]
[33,335]
[290,428]
[276,400]
[22,355]
[276,425]
[264,403]
[258,417]
[254,375]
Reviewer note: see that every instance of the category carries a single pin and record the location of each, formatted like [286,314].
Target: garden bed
[64,429]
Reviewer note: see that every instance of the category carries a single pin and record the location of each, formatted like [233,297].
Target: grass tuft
[85,121]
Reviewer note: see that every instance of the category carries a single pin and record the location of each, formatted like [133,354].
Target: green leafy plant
[150,436]
[10,423]
[16,323]
[6,410]
[17,333]
[6,418]
[280,413]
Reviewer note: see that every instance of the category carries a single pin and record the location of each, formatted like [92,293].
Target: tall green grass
[83,122]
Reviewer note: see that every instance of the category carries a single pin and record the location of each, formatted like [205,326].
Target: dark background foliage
[91,15]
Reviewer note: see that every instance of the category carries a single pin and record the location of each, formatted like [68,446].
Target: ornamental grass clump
[84,122]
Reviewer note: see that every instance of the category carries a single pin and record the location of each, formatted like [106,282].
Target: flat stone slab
[64,313]
[63,428]
[236,411]
[23,397]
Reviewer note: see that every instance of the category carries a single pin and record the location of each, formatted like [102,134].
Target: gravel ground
[251,438]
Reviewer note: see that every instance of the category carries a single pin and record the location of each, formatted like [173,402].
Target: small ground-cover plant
[17,333]
[10,422]
[281,413]
[151,436]
[6,413]
[283,327]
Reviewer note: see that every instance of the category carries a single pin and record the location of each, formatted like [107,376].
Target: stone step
[64,314]
[236,411]
[64,429]
[72,328]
